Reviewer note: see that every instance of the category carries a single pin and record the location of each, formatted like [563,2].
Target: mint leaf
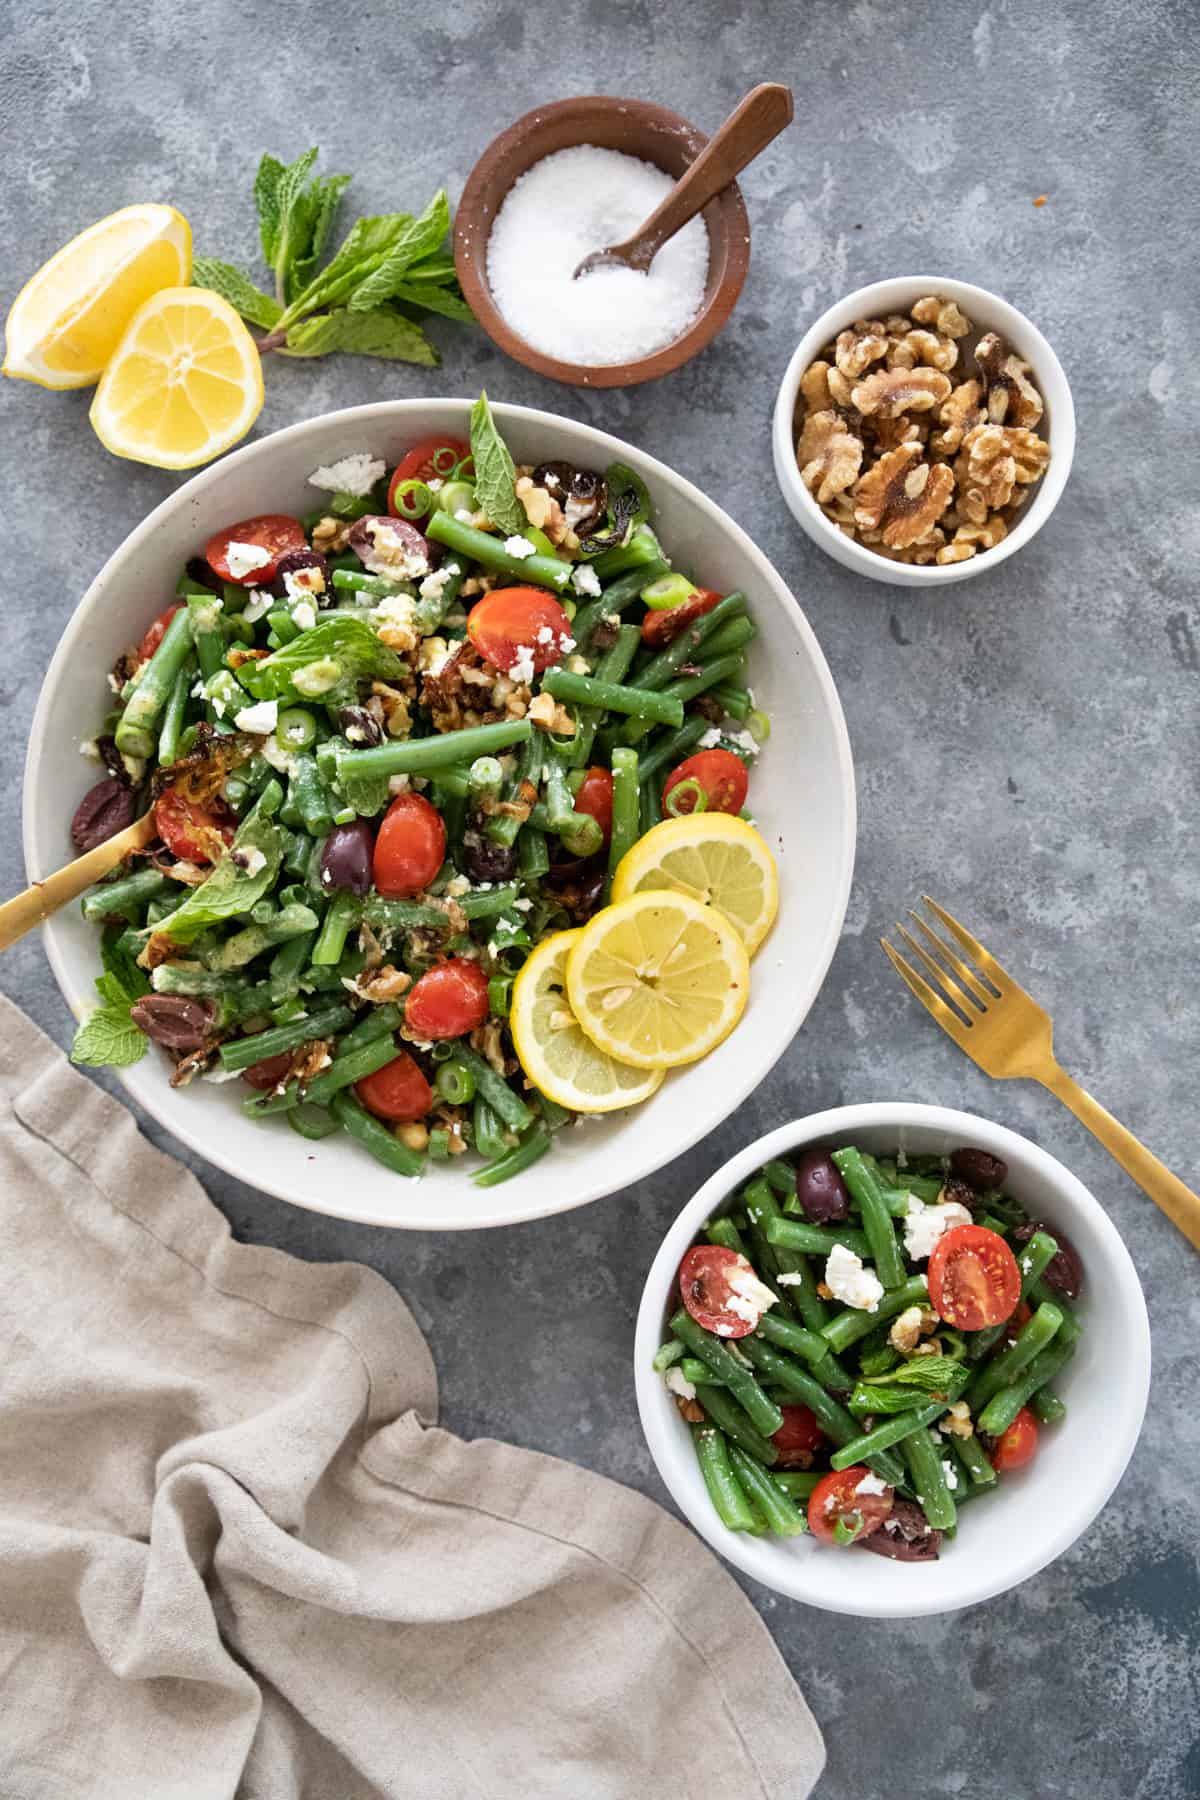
[121,963]
[331,657]
[418,239]
[359,255]
[230,891]
[434,268]
[320,203]
[495,472]
[266,199]
[379,333]
[228,281]
[109,1038]
[446,301]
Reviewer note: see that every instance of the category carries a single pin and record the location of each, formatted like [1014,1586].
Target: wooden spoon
[748,130]
[45,897]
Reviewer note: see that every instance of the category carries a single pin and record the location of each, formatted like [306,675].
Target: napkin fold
[238,1558]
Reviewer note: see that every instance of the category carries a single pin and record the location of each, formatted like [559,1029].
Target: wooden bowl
[641,129]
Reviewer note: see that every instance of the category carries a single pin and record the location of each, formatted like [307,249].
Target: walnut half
[829,455]
[903,496]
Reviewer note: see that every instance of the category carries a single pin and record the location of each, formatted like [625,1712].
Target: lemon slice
[713,857]
[66,321]
[184,383]
[555,1054]
[658,980]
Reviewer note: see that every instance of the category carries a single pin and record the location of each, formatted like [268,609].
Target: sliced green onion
[439,1144]
[668,591]
[444,461]
[500,995]
[412,500]
[690,790]
[458,496]
[455,1083]
[758,725]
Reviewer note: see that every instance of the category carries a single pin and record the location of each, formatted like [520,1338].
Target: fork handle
[1168,1193]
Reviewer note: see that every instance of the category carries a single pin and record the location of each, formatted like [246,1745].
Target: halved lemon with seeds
[555,1054]
[66,321]
[714,857]
[184,383]
[658,980]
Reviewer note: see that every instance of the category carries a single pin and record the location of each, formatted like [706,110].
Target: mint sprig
[108,1038]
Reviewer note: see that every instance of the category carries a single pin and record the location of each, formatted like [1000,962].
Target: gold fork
[1006,1032]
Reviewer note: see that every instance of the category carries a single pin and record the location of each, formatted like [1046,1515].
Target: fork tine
[987,962]
[945,1015]
[964,972]
[945,982]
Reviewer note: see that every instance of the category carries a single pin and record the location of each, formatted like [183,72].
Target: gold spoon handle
[21,914]
[1168,1193]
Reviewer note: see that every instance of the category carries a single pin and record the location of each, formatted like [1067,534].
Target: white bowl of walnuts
[923,431]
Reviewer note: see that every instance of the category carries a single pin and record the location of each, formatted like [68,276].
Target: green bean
[682,691]
[665,1355]
[378,587]
[375,1137]
[781,1176]
[135,733]
[378,1022]
[732,635]
[312,1122]
[891,1431]
[610,696]
[344,911]
[402,915]
[503,828]
[724,1490]
[427,756]
[1003,1407]
[625,816]
[243,1053]
[190,978]
[877,1361]
[808,1344]
[613,666]
[723,1231]
[649,807]
[800,1296]
[1047,1407]
[613,601]
[731,1370]
[852,1324]
[287,966]
[486,903]
[489,1134]
[531,1149]
[480,547]
[1033,1338]
[1034,1259]
[838,1425]
[737,701]
[282,628]
[663,667]
[455,1083]
[693,1370]
[867,1193]
[204,618]
[721,1407]
[493,1088]
[783,1516]
[349,1066]
[173,715]
[923,1454]
[974,1459]
[641,552]
[125,898]
[485,778]
[533,858]
[816,1240]
[243,946]
[799,1483]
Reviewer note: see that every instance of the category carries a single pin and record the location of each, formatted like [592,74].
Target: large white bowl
[1033,1515]
[803,799]
[987,312]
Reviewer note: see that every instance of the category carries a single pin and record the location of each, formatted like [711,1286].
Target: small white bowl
[987,312]
[1034,1515]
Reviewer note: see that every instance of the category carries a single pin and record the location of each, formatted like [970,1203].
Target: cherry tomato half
[974,1280]
[189,831]
[1018,1445]
[720,773]
[839,1498]
[662,628]
[410,847]
[595,797]
[519,625]
[398,1092]
[418,464]
[276,533]
[157,631]
[449,1000]
[798,1438]
[711,1278]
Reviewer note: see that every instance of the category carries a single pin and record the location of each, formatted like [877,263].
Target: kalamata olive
[820,1188]
[359,727]
[582,494]
[292,563]
[269,1072]
[905,1535]
[959,1192]
[199,572]
[485,861]
[1064,1272]
[112,759]
[173,1021]
[346,858]
[979,1169]
[104,810]
[577,885]
[388,546]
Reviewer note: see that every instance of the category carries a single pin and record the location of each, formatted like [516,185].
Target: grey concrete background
[1026,744]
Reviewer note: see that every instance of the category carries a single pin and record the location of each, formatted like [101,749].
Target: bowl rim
[1074,1510]
[1061,432]
[383,416]
[728,208]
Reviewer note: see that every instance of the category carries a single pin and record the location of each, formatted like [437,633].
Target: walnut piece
[894,391]
[814,387]
[957,1422]
[913,1324]
[943,315]
[841,388]
[968,539]
[889,434]
[903,496]
[829,455]
[856,349]
[1012,398]
[329,535]
[548,713]
[957,415]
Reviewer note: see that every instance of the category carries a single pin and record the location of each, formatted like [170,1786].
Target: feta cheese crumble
[304,615]
[679,1384]
[951,1474]
[242,559]
[522,670]
[850,1282]
[434,586]
[258,606]
[748,1299]
[285,762]
[354,474]
[586,581]
[871,1484]
[715,737]
[520,546]
[259,718]
[924,1225]
[252,861]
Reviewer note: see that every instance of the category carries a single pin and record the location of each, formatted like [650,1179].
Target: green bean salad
[379,745]
[866,1343]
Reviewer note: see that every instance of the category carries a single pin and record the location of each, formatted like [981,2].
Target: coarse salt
[564,207]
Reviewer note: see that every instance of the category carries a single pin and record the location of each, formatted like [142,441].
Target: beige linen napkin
[237,1558]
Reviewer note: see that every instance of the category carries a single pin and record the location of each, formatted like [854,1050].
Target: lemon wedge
[658,980]
[556,1055]
[714,857]
[68,318]
[184,383]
